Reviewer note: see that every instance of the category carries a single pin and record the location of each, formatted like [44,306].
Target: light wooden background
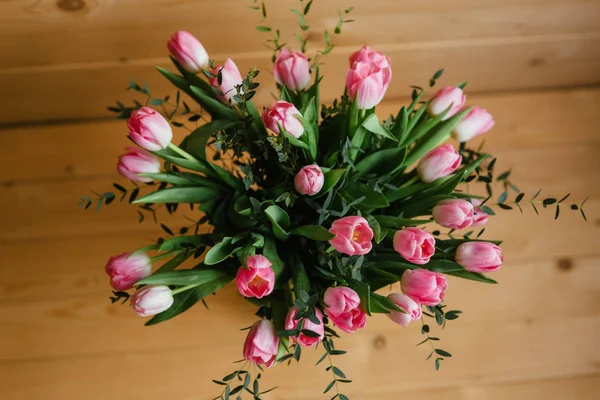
[534,64]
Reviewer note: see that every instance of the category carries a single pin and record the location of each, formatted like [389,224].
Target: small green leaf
[314,232]
[280,221]
[221,251]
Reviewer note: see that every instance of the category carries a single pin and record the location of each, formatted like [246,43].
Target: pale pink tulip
[343,308]
[453,213]
[449,97]
[292,70]
[479,256]
[411,307]
[230,79]
[439,162]
[151,300]
[365,54]
[477,122]
[370,81]
[137,161]
[149,129]
[353,236]
[414,245]
[125,269]
[261,344]
[479,217]
[284,114]
[425,286]
[309,181]
[257,278]
[188,51]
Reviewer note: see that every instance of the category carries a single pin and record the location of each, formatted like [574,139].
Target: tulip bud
[343,308]
[414,245]
[477,122]
[309,181]
[257,278]
[479,256]
[353,236]
[369,75]
[230,78]
[284,114]
[365,54]
[126,269]
[425,286]
[439,162]
[453,213]
[479,216]
[188,51]
[149,129]
[151,300]
[449,97]
[262,344]
[291,323]
[411,307]
[292,70]
[137,161]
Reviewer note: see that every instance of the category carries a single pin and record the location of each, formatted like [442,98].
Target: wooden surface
[534,64]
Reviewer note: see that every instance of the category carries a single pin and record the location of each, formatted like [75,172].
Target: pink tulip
[230,78]
[291,323]
[261,344]
[292,70]
[188,51]
[479,256]
[453,213]
[137,161]
[371,80]
[151,300]
[479,217]
[411,307]
[284,114]
[449,97]
[414,245]
[257,278]
[439,162]
[425,286]
[353,236]
[343,308]
[149,129]
[365,54]
[126,269]
[477,122]
[309,181]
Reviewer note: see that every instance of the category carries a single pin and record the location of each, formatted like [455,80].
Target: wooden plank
[511,351]
[84,91]
[126,30]
[69,303]
[549,116]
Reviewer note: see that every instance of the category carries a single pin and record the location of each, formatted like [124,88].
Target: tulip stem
[409,182]
[182,153]
[184,288]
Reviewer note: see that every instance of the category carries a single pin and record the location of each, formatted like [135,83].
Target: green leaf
[372,124]
[263,28]
[381,162]
[187,299]
[310,135]
[331,179]
[443,353]
[314,232]
[195,142]
[398,223]
[474,276]
[181,195]
[183,277]
[277,265]
[434,138]
[221,251]
[383,305]
[374,225]
[364,292]
[280,221]
[175,261]
[293,141]
[373,199]
[175,243]
[299,277]
[215,108]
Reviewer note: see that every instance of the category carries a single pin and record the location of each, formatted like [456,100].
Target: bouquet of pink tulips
[317,208]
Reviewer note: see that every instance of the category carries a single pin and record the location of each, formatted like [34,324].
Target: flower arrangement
[318,208]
